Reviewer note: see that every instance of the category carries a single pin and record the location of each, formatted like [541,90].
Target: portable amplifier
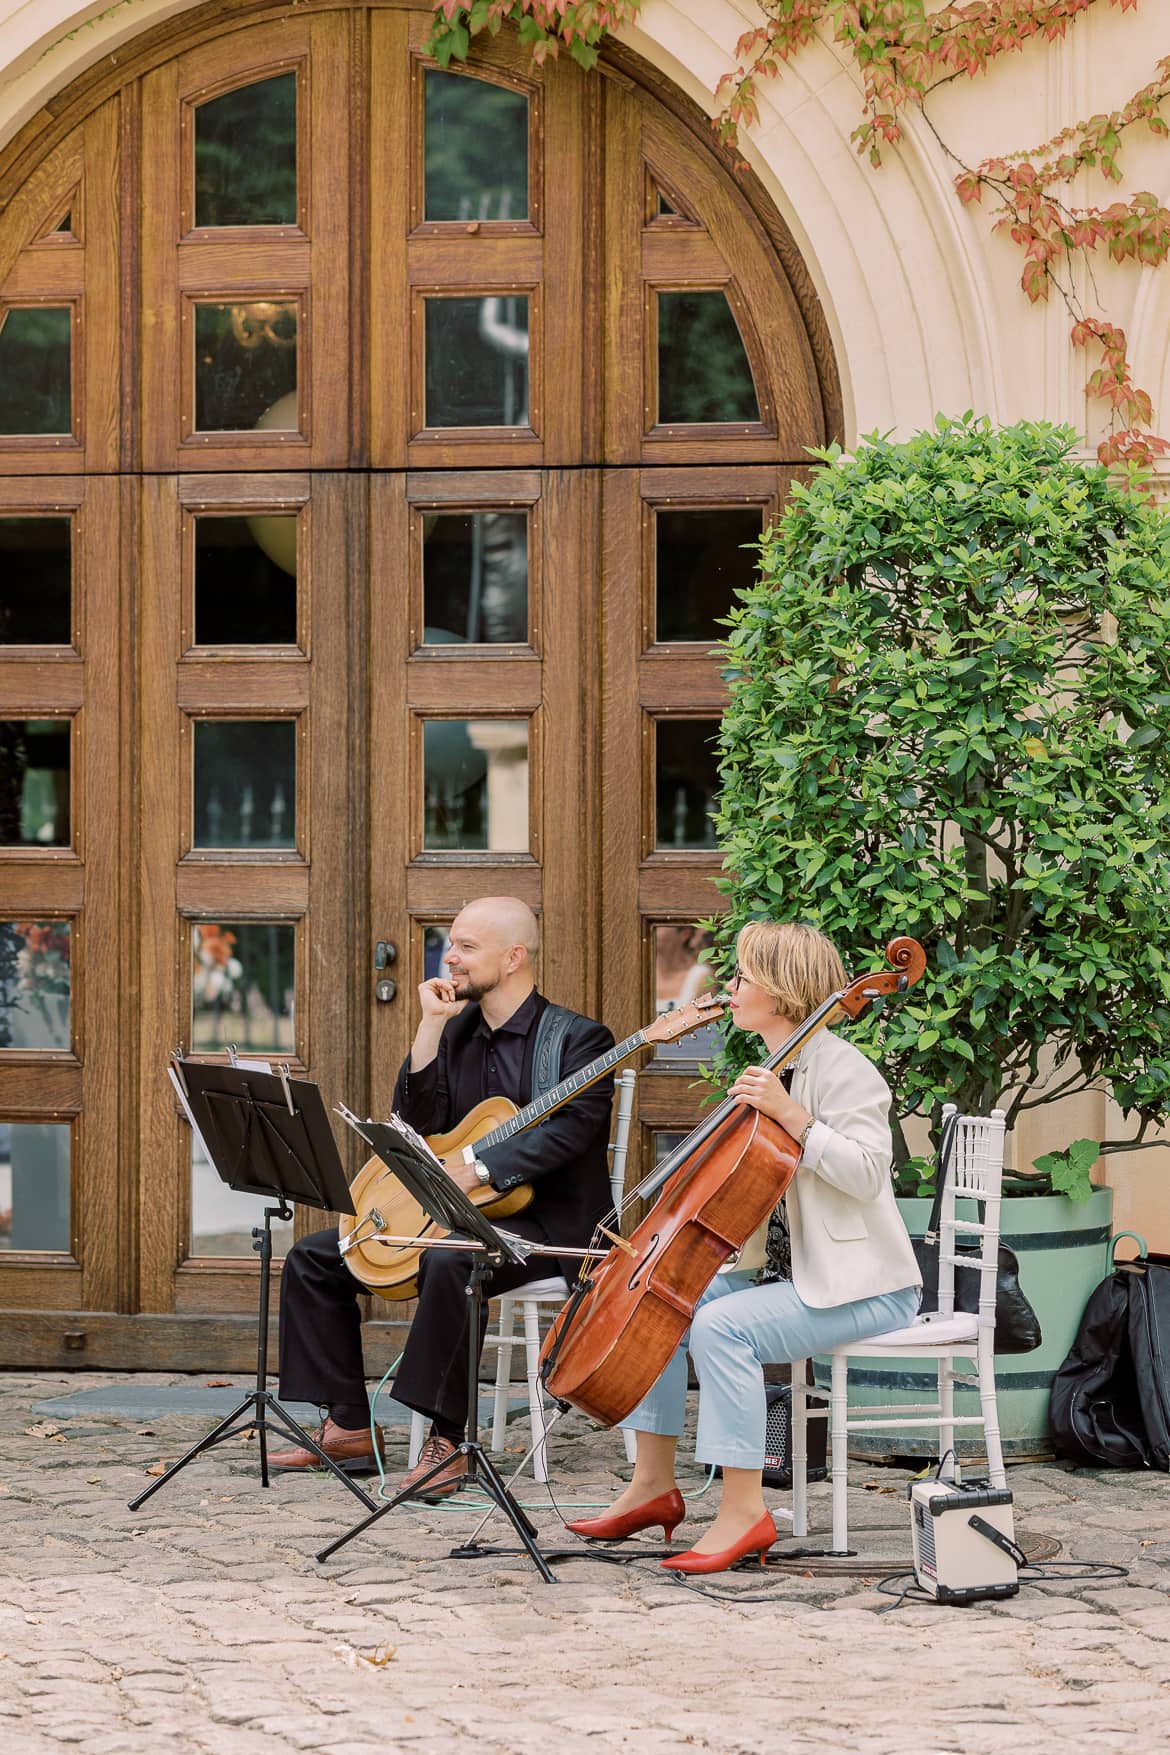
[964,1547]
[778,1441]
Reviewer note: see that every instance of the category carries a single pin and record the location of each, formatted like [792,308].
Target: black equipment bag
[1110,1400]
[1017,1327]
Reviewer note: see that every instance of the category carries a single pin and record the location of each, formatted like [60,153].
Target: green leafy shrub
[949,717]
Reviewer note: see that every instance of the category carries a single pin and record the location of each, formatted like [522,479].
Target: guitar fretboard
[588,1075]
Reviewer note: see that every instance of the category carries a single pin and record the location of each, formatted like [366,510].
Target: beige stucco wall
[923,301]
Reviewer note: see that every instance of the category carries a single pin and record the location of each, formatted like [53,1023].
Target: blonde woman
[833,1264]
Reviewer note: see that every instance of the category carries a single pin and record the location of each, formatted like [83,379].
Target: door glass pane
[475,772]
[475,577]
[35,349]
[222,1218]
[246,366]
[35,574]
[34,1185]
[703,370]
[246,155]
[476,149]
[436,944]
[700,561]
[242,986]
[34,984]
[477,362]
[679,977]
[245,783]
[685,782]
[665,1140]
[245,580]
[34,782]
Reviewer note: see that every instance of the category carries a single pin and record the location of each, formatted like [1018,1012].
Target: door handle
[385,953]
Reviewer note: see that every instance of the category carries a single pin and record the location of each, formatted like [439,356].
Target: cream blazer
[848,1237]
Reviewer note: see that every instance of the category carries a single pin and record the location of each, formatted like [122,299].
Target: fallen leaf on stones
[117,1673]
[93,1480]
[161,1466]
[144,1431]
[44,1430]
[357,1660]
[248,1436]
[219,1383]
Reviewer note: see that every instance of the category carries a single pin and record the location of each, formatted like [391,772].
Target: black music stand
[266,1134]
[421,1173]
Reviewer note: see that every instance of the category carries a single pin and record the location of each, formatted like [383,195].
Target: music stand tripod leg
[260,1403]
[481,1469]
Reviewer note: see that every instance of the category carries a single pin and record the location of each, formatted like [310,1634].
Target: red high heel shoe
[668,1510]
[757,1541]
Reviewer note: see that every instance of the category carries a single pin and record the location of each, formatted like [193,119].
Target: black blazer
[565,1157]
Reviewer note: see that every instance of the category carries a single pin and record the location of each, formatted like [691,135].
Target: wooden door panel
[304,889]
[79,886]
[303,267]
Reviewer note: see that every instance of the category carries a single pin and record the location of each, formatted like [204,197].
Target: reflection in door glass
[476,149]
[35,573]
[222,1218]
[34,984]
[246,366]
[700,562]
[475,577]
[475,775]
[245,580]
[436,944]
[685,782]
[35,370]
[245,783]
[34,1186]
[477,362]
[678,978]
[665,1140]
[703,370]
[34,782]
[242,986]
[246,155]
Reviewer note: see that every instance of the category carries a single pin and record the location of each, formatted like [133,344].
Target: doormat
[127,1401]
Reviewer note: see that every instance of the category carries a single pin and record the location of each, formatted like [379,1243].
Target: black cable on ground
[1059,1572]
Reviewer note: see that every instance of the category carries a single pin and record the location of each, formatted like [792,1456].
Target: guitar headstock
[706,1008]
[907,961]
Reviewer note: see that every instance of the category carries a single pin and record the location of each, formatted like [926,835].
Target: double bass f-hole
[632,1282]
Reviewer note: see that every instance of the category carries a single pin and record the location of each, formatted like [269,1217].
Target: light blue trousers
[737,1329]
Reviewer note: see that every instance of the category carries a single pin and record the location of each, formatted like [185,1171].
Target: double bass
[626,1317]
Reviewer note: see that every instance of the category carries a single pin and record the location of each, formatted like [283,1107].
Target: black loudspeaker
[778,1441]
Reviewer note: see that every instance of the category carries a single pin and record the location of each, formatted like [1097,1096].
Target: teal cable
[477,1505]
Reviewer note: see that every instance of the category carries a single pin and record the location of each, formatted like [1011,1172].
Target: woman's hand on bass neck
[762,1090]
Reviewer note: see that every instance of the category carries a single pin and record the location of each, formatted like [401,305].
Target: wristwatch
[482,1174]
[802,1136]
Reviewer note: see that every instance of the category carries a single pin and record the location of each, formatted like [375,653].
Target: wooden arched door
[394,434]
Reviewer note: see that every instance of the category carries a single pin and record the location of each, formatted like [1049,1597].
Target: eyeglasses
[736,978]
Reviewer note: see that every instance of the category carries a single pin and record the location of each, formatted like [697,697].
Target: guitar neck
[562,1093]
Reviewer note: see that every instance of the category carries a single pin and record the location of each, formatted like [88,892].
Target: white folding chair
[975,1173]
[548,1292]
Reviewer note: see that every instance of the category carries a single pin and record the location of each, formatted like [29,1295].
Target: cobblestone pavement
[204,1623]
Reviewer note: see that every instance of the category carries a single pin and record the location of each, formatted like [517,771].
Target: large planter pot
[1063,1250]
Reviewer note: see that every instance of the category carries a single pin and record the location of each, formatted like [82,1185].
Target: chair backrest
[974,1173]
[619,1145]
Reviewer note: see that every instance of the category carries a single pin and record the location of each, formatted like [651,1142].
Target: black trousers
[320,1327]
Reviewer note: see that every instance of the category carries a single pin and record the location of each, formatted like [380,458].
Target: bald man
[485,1031]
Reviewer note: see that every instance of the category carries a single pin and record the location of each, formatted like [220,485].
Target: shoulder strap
[551,1030]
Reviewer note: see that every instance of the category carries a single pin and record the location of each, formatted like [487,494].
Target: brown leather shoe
[448,1480]
[351,1451]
